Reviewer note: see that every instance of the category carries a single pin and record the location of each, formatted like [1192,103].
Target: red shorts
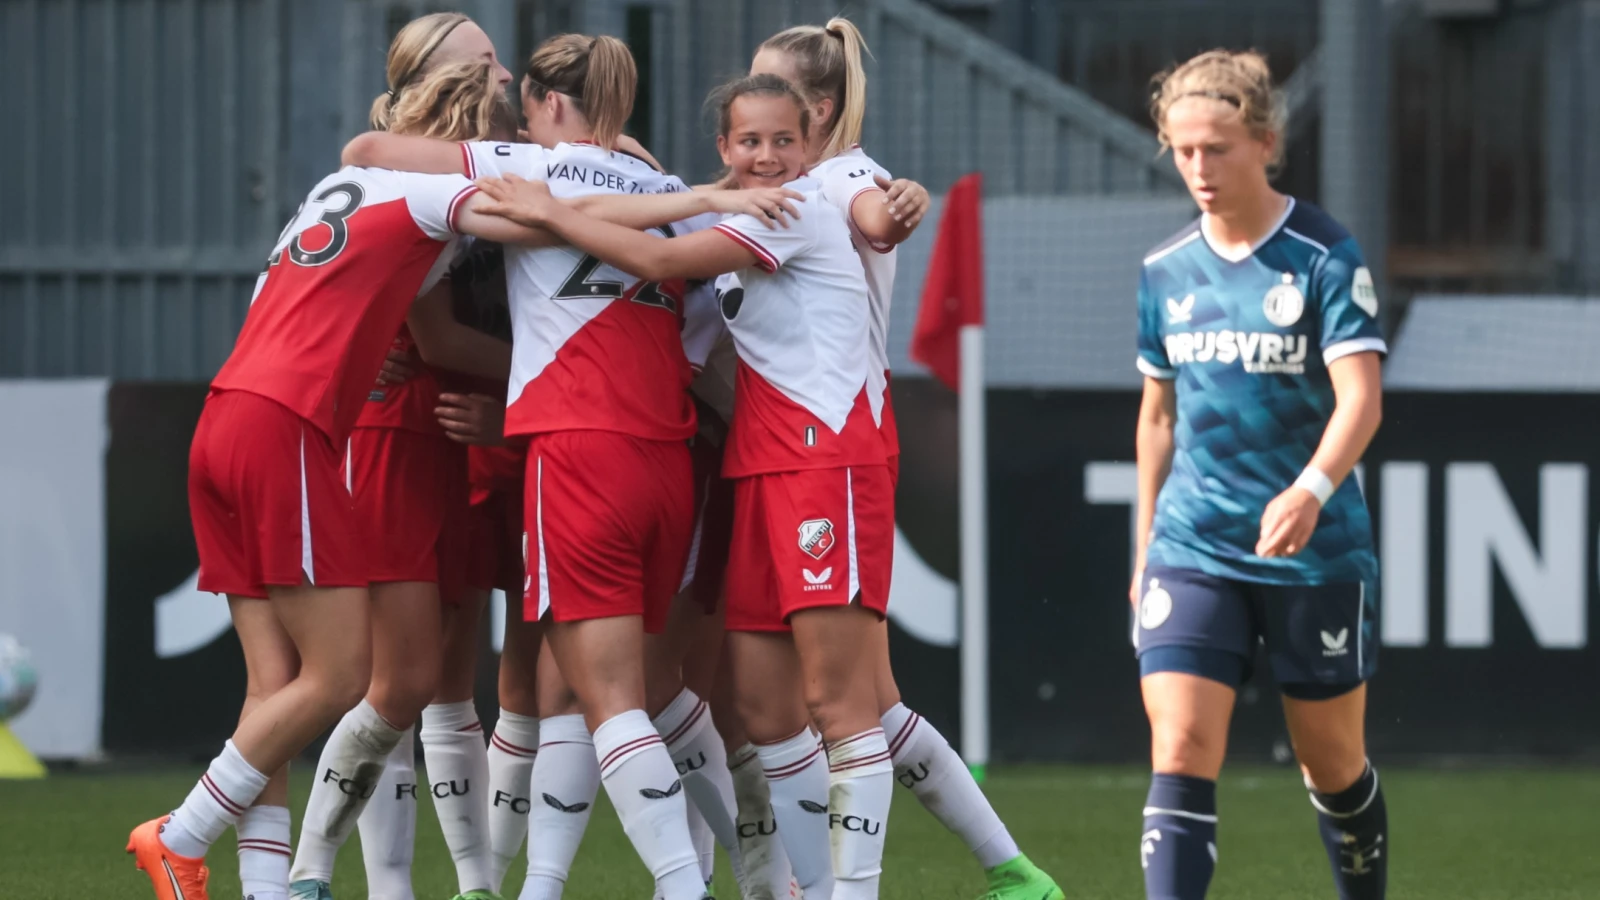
[495,536]
[823,537]
[713,526]
[268,503]
[608,521]
[411,494]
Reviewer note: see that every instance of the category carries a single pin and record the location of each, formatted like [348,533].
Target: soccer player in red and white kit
[409,485]
[599,383]
[824,64]
[814,523]
[274,523]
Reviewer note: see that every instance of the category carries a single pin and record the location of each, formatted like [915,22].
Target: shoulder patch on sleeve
[1363,292]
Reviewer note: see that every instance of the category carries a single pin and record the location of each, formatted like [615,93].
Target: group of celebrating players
[484,356]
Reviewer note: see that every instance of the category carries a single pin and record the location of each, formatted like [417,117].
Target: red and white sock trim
[229,807]
[506,746]
[259,845]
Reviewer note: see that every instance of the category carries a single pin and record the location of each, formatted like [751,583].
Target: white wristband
[1320,486]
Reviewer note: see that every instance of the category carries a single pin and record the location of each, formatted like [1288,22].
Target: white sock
[221,796]
[346,778]
[511,753]
[563,785]
[264,852]
[797,775]
[766,866]
[696,749]
[705,846]
[458,779]
[388,826]
[644,788]
[925,762]
[705,843]
[861,785]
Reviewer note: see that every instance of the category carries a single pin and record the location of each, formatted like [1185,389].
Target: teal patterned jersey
[1248,343]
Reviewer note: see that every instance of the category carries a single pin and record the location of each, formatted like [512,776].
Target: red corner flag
[952,295]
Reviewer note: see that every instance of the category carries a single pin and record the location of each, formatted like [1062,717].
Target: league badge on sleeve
[1363,292]
[1284,303]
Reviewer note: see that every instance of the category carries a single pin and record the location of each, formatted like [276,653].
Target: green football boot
[1020,879]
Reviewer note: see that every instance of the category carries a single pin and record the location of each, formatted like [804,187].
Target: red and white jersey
[593,348]
[800,323]
[844,178]
[337,287]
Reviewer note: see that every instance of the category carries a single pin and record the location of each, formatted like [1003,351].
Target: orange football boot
[174,877]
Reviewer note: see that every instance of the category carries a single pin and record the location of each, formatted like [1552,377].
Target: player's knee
[1331,766]
[519,695]
[842,706]
[344,682]
[768,717]
[400,696]
[1187,748]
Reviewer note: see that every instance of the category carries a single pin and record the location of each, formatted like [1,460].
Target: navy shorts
[1318,638]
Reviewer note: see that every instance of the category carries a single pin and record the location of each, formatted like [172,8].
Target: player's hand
[1287,524]
[398,367]
[472,419]
[907,200]
[524,202]
[773,206]
[1133,587]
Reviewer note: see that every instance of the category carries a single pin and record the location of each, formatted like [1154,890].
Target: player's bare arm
[889,215]
[1158,415]
[704,254]
[1291,517]
[447,344]
[476,219]
[775,206]
[404,153]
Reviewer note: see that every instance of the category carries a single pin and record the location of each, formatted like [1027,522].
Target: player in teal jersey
[1260,346]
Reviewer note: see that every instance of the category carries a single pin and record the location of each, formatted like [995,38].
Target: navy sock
[1355,829]
[1179,846]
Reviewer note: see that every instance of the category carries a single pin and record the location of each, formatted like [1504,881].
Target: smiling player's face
[764,145]
[1221,162]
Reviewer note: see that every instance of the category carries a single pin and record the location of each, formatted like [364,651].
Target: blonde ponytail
[456,102]
[846,130]
[828,63]
[597,73]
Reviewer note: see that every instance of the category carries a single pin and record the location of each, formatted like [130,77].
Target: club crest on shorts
[1154,606]
[816,537]
[1284,303]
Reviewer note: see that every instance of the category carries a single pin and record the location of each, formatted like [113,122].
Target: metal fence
[161,143]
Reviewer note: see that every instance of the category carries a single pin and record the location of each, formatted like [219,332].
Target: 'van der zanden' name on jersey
[610,181]
[1261,353]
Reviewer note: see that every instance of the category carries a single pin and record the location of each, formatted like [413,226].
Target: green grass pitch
[1530,835]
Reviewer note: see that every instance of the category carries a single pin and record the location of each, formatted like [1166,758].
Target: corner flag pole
[974,554]
[948,339]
